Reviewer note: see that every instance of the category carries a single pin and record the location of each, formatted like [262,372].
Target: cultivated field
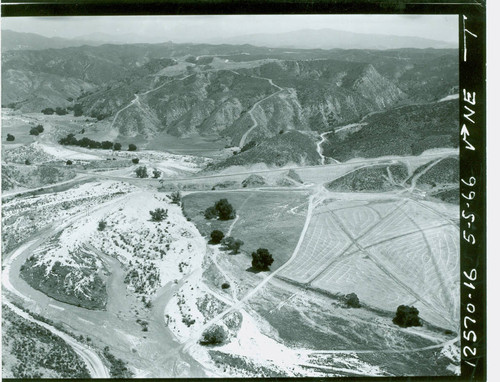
[389,252]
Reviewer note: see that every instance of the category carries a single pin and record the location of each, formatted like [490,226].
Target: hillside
[407,130]
[241,93]
[290,147]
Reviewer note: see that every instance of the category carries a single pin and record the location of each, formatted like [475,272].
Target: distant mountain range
[30,41]
[301,39]
[272,102]
[334,39]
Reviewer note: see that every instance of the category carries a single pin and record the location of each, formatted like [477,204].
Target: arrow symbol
[464,132]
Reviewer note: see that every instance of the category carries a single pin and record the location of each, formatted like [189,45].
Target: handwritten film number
[469,335]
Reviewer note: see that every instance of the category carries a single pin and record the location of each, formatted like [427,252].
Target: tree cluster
[61,111]
[48,111]
[221,209]
[38,129]
[141,172]
[77,110]
[71,140]
[232,244]
[214,335]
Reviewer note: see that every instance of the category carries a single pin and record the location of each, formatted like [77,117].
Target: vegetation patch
[118,368]
[78,285]
[31,351]
[234,363]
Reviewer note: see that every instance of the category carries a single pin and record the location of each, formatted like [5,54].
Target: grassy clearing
[266,219]
[309,320]
[31,351]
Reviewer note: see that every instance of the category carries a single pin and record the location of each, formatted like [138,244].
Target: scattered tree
[117,146]
[102,225]
[225,286]
[176,197]
[230,243]
[407,316]
[10,138]
[132,147]
[216,236]
[39,128]
[69,162]
[135,160]
[214,335]
[156,173]
[352,300]
[262,259]
[158,214]
[27,162]
[82,131]
[141,172]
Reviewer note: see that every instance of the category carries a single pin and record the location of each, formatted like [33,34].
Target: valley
[134,221]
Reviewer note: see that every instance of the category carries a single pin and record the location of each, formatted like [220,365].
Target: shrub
[407,316]
[225,286]
[48,111]
[132,147]
[216,236]
[69,162]
[135,160]
[158,214]
[10,138]
[352,300]
[156,173]
[213,335]
[262,259]
[141,172]
[102,225]
[39,128]
[34,131]
[176,197]
[27,162]
[117,146]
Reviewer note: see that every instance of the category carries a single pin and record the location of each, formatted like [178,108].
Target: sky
[154,29]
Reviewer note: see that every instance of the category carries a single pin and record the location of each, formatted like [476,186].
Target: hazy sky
[209,28]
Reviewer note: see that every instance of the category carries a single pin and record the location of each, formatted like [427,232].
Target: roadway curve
[250,112]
